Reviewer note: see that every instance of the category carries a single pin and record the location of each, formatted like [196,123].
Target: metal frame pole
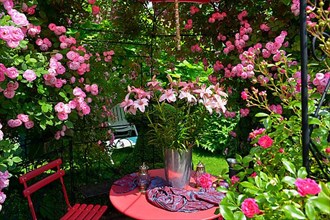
[304,87]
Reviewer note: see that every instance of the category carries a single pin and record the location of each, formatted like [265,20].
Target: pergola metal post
[304,87]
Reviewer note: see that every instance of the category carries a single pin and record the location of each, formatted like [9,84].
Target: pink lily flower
[168,95]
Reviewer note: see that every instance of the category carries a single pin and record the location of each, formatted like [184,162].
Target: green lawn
[213,162]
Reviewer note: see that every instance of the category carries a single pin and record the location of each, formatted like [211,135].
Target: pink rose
[58,135]
[254,174]
[9,4]
[59,107]
[29,124]
[13,123]
[23,117]
[234,179]
[95,10]
[12,43]
[62,116]
[12,72]
[264,27]
[244,112]
[85,109]
[78,92]
[94,89]
[205,180]
[18,17]
[265,141]
[71,55]
[250,208]
[9,94]
[5,32]
[29,75]
[2,197]
[74,65]
[12,86]
[92,2]
[52,26]
[244,95]
[307,187]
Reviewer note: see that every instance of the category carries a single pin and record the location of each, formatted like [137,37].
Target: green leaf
[247,160]
[321,203]
[289,180]
[302,173]
[286,2]
[264,176]
[310,210]
[325,190]
[238,215]
[313,121]
[293,212]
[226,213]
[44,108]
[63,95]
[230,197]
[248,185]
[291,192]
[261,114]
[69,124]
[289,166]
[17,159]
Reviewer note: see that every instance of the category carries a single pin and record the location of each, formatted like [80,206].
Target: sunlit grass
[213,162]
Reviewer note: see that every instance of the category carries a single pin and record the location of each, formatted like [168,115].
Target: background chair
[78,211]
[125,133]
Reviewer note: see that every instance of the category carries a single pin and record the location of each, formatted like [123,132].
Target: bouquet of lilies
[175,110]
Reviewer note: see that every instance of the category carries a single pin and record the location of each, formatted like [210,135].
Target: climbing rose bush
[270,173]
[45,70]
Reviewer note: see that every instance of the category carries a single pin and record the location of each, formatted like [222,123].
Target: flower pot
[178,167]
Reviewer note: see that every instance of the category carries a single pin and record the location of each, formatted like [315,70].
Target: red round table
[135,205]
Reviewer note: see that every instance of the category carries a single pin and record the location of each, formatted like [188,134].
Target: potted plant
[175,112]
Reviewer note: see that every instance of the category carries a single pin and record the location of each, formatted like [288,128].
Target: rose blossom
[307,186]
[244,95]
[234,179]
[13,123]
[95,10]
[250,208]
[62,116]
[265,141]
[9,94]
[12,86]
[29,75]
[12,72]
[205,180]
[18,17]
[2,197]
[29,124]
[23,117]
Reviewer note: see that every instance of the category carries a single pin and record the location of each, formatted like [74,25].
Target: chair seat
[124,142]
[85,212]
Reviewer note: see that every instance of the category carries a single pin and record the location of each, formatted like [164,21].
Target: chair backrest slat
[38,185]
[28,190]
[40,170]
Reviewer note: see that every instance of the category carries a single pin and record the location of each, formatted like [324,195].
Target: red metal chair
[78,211]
